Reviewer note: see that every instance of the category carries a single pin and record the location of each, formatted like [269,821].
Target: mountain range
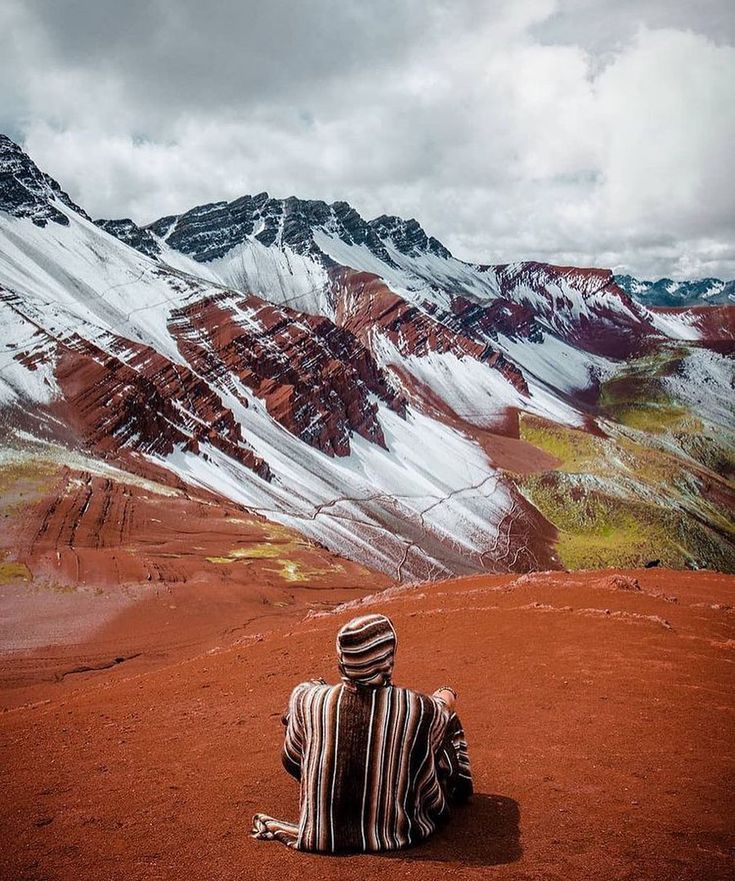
[353,381]
[666,292]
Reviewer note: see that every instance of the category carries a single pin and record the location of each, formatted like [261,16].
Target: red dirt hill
[598,707]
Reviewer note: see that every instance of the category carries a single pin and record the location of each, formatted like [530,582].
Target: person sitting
[379,765]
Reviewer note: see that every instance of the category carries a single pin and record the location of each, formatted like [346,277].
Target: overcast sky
[591,132]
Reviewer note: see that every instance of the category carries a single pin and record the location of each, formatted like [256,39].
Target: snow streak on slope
[567,302]
[420,508]
[681,326]
[279,275]
[557,366]
[76,274]
[417,497]
[474,391]
[704,382]
[29,377]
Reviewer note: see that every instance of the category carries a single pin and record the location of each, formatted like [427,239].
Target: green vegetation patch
[637,398]
[714,453]
[636,495]
[656,417]
[578,451]
[11,570]
[294,571]
[22,483]
[287,567]
[597,529]
[255,551]
[37,473]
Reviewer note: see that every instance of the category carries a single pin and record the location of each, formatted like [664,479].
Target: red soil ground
[134,574]
[600,722]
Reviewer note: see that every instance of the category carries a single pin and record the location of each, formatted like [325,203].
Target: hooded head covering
[366,648]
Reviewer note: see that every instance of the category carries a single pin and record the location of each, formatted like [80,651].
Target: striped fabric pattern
[378,764]
[366,648]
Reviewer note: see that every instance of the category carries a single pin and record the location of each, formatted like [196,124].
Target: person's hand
[448,695]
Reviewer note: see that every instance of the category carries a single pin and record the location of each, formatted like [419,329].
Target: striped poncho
[378,764]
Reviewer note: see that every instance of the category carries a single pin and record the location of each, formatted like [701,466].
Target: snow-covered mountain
[295,252]
[666,292]
[352,379]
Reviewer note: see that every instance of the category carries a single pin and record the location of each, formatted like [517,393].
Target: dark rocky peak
[208,232]
[628,283]
[351,228]
[26,191]
[205,232]
[130,233]
[300,217]
[407,236]
[163,226]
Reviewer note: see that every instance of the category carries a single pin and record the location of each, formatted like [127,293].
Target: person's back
[378,764]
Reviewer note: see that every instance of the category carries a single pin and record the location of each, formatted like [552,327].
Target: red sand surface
[600,722]
[135,574]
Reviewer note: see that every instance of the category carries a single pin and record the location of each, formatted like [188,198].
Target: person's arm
[293,741]
[293,745]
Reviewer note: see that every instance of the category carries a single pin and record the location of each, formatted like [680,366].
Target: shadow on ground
[484,832]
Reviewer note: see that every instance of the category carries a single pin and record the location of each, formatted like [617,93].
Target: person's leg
[269,829]
[454,763]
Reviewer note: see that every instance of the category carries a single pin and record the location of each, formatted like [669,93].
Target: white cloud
[507,133]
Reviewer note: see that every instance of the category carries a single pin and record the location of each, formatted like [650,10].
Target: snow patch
[279,275]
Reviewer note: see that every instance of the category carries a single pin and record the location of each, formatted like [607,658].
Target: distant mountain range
[676,294]
[352,380]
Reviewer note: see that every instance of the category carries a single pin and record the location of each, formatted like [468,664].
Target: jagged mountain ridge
[310,228]
[210,231]
[353,380]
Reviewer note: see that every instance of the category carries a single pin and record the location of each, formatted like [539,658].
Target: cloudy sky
[576,131]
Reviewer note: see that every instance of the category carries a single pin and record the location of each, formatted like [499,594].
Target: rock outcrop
[26,191]
[316,379]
